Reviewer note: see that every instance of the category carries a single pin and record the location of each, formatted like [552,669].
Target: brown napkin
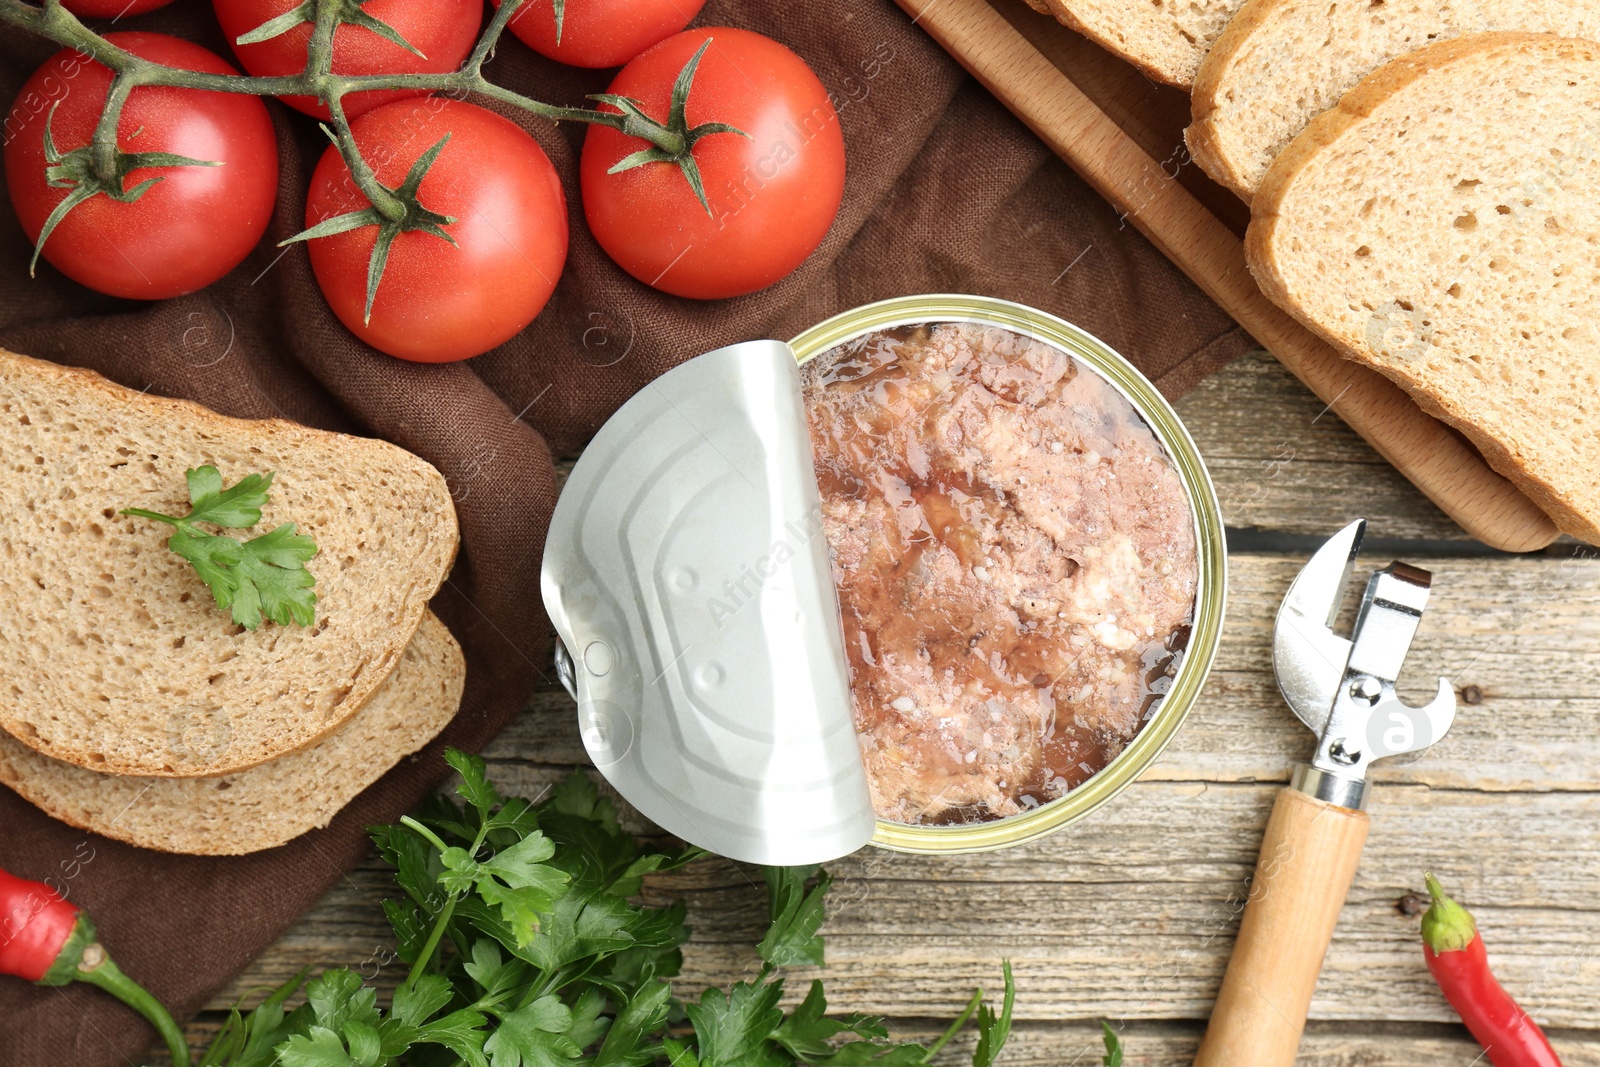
[946,192]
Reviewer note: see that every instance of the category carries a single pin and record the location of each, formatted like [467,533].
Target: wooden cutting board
[1124,135]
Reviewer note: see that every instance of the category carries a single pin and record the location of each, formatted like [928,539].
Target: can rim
[1211,587]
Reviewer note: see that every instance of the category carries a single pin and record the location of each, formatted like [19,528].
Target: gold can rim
[1211,589]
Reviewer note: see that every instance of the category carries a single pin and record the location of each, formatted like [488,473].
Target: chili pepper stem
[98,969]
[1446,925]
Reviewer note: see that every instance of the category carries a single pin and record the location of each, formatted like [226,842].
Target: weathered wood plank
[1165,1044]
[1280,460]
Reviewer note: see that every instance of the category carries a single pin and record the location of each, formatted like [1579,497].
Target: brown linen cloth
[946,192]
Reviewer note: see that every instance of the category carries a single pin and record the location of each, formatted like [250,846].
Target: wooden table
[1130,916]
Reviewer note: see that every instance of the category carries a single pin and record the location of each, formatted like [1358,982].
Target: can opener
[1344,690]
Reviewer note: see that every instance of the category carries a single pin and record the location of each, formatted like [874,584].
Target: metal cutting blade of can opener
[1344,690]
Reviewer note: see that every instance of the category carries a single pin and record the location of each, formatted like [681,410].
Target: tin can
[1210,546]
[689,581]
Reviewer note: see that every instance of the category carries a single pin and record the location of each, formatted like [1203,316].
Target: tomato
[444,31]
[772,195]
[600,33]
[111,9]
[187,230]
[438,302]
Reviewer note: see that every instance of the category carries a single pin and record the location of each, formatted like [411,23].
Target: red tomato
[187,230]
[111,9]
[600,33]
[772,195]
[444,31]
[438,302]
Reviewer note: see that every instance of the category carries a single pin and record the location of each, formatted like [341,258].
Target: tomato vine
[102,166]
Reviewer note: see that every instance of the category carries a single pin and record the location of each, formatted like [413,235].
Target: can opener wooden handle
[1344,690]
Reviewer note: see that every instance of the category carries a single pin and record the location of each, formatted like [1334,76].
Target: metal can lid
[687,575]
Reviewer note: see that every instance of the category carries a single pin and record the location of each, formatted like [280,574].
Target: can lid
[687,576]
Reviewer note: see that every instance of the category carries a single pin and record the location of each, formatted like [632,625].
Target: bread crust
[1202,135]
[1320,136]
[1235,117]
[1151,67]
[94,396]
[267,805]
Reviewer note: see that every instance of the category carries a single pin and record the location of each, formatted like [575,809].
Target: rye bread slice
[1441,226]
[114,655]
[1280,63]
[1166,39]
[269,804]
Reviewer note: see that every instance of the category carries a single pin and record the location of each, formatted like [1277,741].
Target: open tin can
[688,578]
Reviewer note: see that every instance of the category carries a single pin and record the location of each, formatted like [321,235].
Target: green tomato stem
[104,141]
[56,23]
[491,36]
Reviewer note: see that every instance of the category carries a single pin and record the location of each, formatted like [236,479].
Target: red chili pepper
[1456,956]
[51,942]
[35,925]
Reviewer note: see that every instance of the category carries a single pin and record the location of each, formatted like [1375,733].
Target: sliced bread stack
[133,706]
[1166,39]
[1421,178]
[1440,225]
[1281,63]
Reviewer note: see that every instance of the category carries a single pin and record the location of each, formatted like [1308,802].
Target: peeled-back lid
[687,576]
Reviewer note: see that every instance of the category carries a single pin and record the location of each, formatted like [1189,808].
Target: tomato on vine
[375,37]
[599,33]
[182,201]
[476,249]
[729,172]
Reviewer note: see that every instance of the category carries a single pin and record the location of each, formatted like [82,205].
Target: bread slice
[1280,63]
[1441,225]
[1166,39]
[266,805]
[113,655]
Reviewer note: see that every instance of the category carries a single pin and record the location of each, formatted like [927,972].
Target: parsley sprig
[527,947]
[265,575]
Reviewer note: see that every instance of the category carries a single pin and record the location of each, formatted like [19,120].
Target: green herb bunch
[527,949]
[264,576]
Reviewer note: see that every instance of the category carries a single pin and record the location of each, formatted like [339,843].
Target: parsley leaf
[808,1033]
[1113,1056]
[797,915]
[628,1042]
[414,1002]
[497,978]
[474,788]
[319,1048]
[994,1030]
[237,507]
[732,1027]
[514,879]
[262,577]
[534,1036]
[460,1032]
